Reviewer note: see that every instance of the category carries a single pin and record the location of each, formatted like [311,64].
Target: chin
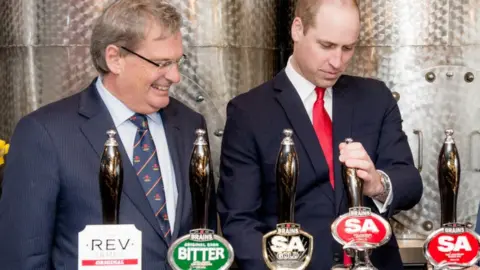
[160,104]
[325,83]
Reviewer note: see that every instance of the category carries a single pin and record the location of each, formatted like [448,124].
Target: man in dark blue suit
[51,189]
[322,107]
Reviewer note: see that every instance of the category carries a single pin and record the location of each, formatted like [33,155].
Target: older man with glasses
[51,189]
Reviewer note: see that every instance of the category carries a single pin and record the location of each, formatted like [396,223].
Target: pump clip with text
[361,229]
[453,246]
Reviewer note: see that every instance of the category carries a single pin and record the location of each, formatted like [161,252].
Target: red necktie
[323,128]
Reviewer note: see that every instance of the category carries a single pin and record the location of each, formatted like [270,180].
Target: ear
[113,59]
[297,29]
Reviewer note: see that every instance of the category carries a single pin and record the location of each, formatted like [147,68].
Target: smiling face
[323,50]
[139,84]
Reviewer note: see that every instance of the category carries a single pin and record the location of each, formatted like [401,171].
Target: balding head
[307,9]
[324,35]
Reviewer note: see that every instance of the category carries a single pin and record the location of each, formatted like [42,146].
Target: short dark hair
[307,9]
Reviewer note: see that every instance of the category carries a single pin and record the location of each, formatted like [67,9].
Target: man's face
[323,52]
[142,86]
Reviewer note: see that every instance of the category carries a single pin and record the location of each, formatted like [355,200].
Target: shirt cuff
[382,207]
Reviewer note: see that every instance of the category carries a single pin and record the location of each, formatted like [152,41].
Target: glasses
[164,65]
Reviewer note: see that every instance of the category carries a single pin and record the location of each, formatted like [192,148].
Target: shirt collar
[118,110]
[303,86]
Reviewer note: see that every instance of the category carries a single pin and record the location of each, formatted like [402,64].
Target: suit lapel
[343,110]
[94,129]
[303,129]
[175,147]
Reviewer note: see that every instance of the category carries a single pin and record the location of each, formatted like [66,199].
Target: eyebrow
[166,59]
[161,59]
[333,43]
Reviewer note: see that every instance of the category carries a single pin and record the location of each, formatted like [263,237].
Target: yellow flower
[3,150]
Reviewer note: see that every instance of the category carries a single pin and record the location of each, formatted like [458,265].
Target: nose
[336,58]
[173,74]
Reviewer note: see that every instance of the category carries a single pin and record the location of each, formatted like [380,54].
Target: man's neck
[295,66]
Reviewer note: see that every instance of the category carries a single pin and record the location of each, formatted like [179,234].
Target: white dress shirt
[127,131]
[306,91]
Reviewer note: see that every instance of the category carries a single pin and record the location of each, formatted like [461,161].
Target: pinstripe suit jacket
[51,189]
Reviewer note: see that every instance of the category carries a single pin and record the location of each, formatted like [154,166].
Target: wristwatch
[387,186]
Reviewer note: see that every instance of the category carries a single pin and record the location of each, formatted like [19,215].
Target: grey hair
[124,23]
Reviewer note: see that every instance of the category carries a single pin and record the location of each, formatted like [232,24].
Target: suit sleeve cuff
[383,207]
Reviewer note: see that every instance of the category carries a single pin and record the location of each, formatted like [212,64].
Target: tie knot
[140,120]
[320,92]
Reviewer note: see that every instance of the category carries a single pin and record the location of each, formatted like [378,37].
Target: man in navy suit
[51,189]
[322,107]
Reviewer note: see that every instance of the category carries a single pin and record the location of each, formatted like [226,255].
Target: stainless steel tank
[428,53]
[44,54]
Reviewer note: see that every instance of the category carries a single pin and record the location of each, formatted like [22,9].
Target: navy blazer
[363,109]
[51,190]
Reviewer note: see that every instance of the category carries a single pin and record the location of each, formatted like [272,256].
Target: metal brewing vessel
[431,66]
[427,53]
[448,178]
[111,180]
[44,55]
[201,180]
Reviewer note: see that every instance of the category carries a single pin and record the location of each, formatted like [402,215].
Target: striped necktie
[148,171]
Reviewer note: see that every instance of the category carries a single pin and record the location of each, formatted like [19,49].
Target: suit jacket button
[336,257]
